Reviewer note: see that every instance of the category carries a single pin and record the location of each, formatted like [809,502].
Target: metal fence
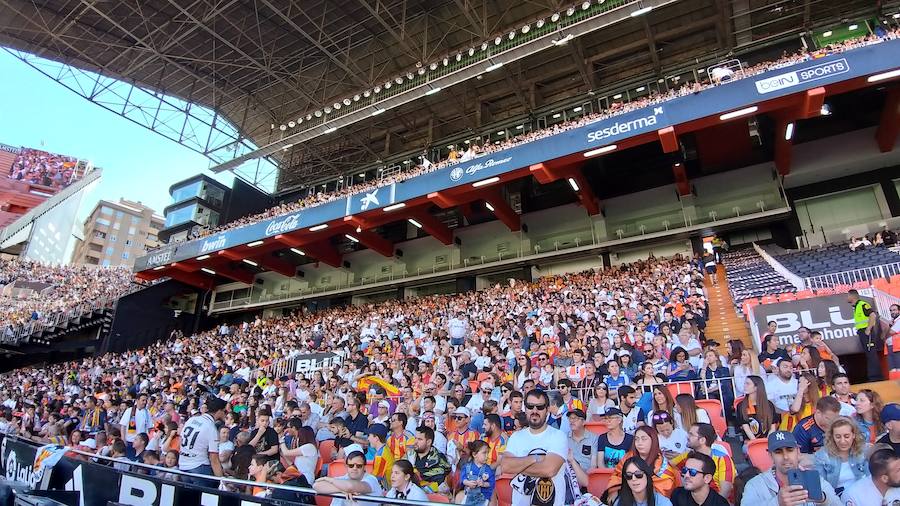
[851,277]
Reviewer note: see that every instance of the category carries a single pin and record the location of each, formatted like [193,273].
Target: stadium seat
[597,428]
[805,294]
[682,387]
[713,407]
[598,479]
[322,500]
[438,498]
[737,401]
[861,285]
[758,452]
[326,451]
[337,469]
[473,385]
[504,490]
[319,464]
[786,297]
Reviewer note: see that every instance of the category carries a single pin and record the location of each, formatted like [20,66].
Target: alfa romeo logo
[456,174]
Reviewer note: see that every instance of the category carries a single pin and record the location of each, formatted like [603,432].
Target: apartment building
[116,233]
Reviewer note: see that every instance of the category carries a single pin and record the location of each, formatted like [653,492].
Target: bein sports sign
[830,315]
[798,77]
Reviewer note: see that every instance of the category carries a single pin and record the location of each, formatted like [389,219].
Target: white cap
[384,404]
[462,410]
[353,448]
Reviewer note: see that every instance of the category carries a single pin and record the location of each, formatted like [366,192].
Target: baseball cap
[462,410]
[890,413]
[349,450]
[579,413]
[781,439]
[378,429]
[384,404]
[613,412]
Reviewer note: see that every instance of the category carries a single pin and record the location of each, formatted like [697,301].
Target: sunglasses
[637,475]
[537,407]
[356,466]
[459,417]
[691,471]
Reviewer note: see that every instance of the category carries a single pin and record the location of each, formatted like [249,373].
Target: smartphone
[810,480]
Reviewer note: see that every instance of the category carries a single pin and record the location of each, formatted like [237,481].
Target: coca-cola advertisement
[282,225]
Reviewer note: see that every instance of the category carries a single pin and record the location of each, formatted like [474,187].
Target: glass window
[106,210]
[100,235]
[113,238]
[131,230]
[186,192]
[103,221]
[119,214]
[180,215]
[128,242]
[117,225]
[125,256]
[152,237]
[214,195]
[106,263]
[109,251]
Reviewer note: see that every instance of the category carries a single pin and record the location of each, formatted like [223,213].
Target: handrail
[853,276]
[798,282]
[234,481]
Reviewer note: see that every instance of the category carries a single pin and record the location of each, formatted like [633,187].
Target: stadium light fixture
[641,11]
[827,34]
[330,129]
[485,182]
[250,262]
[432,91]
[202,257]
[738,113]
[896,15]
[600,151]
[825,110]
[323,226]
[299,252]
[854,27]
[557,116]
[348,236]
[577,109]
[376,112]
[789,131]
[489,206]
[208,271]
[493,67]
[501,132]
[562,41]
[520,127]
[362,175]
[617,96]
[161,267]
[254,244]
[414,223]
[884,75]
[642,88]
[358,229]
[394,207]
[573,184]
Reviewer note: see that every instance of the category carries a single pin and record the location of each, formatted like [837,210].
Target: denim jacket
[829,466]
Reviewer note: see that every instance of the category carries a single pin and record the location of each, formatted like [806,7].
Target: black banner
[316,361]
[18,462]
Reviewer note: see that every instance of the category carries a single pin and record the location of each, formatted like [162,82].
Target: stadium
[473,252]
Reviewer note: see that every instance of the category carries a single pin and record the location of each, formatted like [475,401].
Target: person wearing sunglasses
[535,457]
[463,435]
[696,478]
[356,482]
[645,445]
[637,487]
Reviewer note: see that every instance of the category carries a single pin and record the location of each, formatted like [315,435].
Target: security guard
[865,320]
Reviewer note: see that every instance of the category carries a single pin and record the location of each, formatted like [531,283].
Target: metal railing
[883,302]
[851,277]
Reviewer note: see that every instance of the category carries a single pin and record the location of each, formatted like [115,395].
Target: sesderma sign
[624,127]
[797,77]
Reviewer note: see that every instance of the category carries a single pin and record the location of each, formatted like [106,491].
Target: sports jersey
[382,464]
[574,403]
[810,437]
[398,444]
[529,490]
[725,469]
[463,439]
[199,438]
[496,448]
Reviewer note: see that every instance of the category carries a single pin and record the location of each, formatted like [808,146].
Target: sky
[137,164]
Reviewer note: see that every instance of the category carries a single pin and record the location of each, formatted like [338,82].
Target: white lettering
[160,258]
[213,244]
[813,73]
[625,126]
[777,82]
[136,491]
[286,224]
[491,162]
[167,495]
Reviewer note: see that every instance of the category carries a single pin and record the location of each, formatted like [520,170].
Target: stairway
[724,324]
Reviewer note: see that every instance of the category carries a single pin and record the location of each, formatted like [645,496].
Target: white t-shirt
[142,422]
[372,482]
[553,491]
[676,442]
[306,461]
[199,438]
[781,393]
[864,493]
[413,493]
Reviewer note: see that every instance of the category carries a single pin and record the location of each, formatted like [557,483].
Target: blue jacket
[829,466]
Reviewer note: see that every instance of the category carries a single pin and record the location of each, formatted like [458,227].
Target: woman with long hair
[680,368]
[522,370]
[687,413]
[646,447]
[804,403]
[600,402]
[825,373]
[646,377]
[735,350]
[747,365]
[842,460]
[868,414]
[403,483]
[810,358]
[711,371]
[756,414]
[638,489]
[662,400]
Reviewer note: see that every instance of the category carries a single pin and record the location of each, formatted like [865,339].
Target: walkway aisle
[724,322]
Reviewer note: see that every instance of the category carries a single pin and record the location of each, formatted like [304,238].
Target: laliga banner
[26,463]
[831,315]
[316,361]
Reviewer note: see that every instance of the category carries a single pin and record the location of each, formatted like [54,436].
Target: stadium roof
[262,64]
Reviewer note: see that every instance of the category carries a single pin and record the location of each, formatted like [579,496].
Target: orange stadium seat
[737,401]
[860,285]
[805,294]
[322,500]
[786,297]
[438,498]
[682,387]
[598,479]
[758,451]
[337,469]
[597,428]
[713,407]
[326,451]
[504,490]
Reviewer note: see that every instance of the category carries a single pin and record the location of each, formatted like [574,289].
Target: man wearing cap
[771,488]
[382,457]
[582,443]
[462,436]
[890,417]
[882,486]
[810,431]
[199,452]
[615,442]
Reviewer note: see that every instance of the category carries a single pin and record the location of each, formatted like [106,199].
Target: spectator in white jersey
[199,453]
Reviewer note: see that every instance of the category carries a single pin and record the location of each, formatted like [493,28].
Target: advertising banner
[316,361]
[830,314]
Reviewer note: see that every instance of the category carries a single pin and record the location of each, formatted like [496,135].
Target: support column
[889,126]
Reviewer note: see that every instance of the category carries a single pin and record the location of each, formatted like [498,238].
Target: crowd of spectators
[52,290]
[43,168]
[472,150]
[886,238]
[448,394]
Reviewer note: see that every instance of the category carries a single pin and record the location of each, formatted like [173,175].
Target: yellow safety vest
[861,312]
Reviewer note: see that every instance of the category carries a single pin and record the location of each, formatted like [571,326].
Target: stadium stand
[835,257]
[751,277]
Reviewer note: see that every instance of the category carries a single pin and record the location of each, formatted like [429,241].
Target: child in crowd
[477,476]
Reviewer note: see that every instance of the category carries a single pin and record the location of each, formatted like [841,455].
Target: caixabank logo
[798,77]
